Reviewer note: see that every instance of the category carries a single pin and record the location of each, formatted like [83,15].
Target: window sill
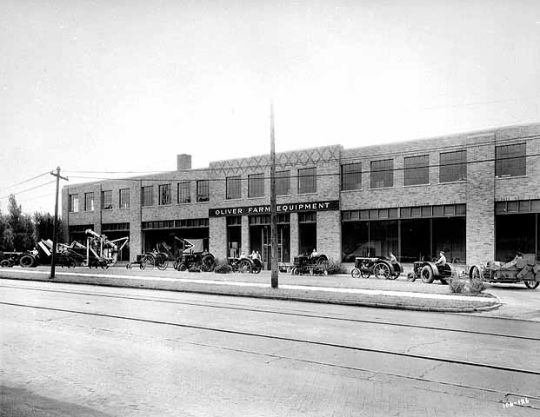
[255,198]
[417,185]
[509,177]
[462,181]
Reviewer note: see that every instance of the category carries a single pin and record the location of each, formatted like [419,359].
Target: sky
[108,88]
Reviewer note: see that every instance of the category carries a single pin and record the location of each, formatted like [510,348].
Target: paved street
[94,351]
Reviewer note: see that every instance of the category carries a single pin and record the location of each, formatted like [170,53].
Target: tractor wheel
[182,267]
[5,263]
[355,273]
[364,273]
[147,262]
[531,284]
[257,266]
[245,267]
[27,261]
[381,270]
[207,263]
[411,277]
[295,271]
[474,273]
[427,274]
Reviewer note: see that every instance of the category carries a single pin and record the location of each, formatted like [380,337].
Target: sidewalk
[332,289]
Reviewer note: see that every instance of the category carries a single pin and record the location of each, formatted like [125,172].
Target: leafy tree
[6,235]
[20,227]
[44,227]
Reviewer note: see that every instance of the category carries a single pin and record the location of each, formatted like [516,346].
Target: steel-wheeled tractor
[524,270]
[9,259]
[245,264]
[430,271]
[381,267]
[195,256]
[312,265]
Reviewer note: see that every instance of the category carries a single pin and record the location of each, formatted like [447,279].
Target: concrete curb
[451,303]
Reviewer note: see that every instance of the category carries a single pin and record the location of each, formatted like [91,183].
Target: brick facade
[478,192]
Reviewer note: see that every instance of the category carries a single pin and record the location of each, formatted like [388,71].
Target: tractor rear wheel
[245,267]
[427,274]
[207,263]
[381,270]
[531,284]
[27,261]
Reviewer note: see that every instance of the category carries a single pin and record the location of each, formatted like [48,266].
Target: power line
[319,175]
[29,189]
[25,181]
[500,142]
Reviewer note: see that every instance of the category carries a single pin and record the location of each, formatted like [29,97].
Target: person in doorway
[442,259]
[393,259]
[314,253]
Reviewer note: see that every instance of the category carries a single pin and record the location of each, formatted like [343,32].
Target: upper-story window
[124,198]
[416,170]
[73,203]
[165,194]
[88,201]
[351,176]
[234,187]
[382,173]
[307,180]
[106,199]
[256,185]
[510,160]
[283,182]
[147,196]
[184,192]
[453,166]
[203,191]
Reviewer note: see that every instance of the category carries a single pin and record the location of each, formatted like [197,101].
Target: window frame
[73,203]
[416,170]
[450,170]
[106,199]
[509,165]
[203,191]
[382,174]
[307,182]
[165,195]
[124,197]
[351,180]
[256,185]
[283,182]
[89,201]
[147,192]
[233,187]
[183,195]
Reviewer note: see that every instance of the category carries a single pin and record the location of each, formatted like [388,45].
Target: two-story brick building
[475,195]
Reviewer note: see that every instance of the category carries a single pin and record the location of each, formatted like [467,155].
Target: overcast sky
[110,85]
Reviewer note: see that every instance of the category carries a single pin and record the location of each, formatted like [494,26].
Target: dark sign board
[281,208]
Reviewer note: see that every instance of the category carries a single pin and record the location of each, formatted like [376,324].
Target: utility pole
[273,211]
[53,260]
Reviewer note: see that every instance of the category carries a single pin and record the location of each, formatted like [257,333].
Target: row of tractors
[99,251]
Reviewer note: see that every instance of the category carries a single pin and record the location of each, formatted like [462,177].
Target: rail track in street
[431,359]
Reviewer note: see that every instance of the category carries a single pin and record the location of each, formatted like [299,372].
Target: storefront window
[515,233]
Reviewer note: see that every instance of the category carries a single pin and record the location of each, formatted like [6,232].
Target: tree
[44,227]
[20,227]
[6,235]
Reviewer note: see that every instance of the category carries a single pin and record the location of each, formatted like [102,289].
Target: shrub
[456,284]
[335,268]
[476,285]
[222,268]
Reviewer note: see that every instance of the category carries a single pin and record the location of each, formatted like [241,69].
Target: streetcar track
[282,338]
[267,311]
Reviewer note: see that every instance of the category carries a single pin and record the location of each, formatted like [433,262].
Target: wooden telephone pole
[273,211]
[53,260]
